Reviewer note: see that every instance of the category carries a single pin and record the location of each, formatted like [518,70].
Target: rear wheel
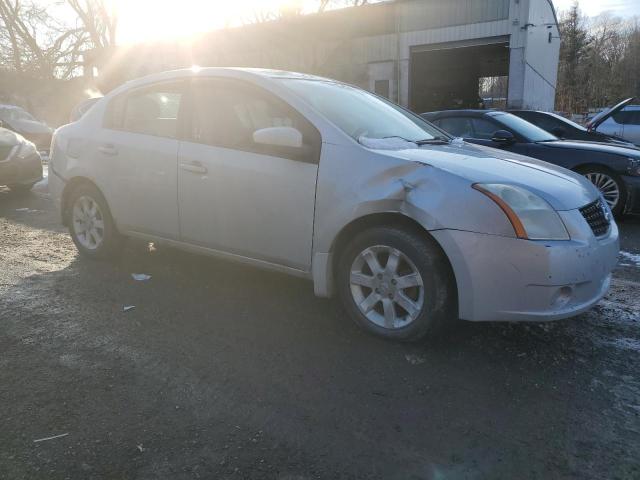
[90,224]
[611,187]
[396,284]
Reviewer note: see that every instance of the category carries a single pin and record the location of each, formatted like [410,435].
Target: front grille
[597,216]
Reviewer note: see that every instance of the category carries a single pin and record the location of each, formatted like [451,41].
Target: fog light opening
[562,297]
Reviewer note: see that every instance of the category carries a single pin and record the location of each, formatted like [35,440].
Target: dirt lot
[223,371]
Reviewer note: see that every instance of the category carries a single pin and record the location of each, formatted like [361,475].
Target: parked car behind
[614,170]
[622,120]
[20,163]
[325,181]
[82,108]
[566,129]
[20,121]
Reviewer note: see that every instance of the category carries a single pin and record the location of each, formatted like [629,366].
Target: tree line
[599,61]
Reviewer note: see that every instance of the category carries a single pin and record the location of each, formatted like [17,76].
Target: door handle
[108,149]
[194,167]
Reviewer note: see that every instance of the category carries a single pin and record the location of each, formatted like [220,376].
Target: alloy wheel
[607,186]
[387,287]
[88,223]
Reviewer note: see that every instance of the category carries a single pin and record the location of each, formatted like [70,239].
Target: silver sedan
[408,226]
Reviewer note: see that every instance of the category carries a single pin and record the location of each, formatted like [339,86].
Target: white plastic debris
[415,359]
[128,308]
[140,277]
[50,438]
[140,448]
[22,209]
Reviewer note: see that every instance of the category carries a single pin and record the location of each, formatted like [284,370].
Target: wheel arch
[584,167]
[73,184]
[368,221]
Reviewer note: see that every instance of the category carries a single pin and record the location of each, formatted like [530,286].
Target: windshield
[567,121]
[360,114]
[523,128]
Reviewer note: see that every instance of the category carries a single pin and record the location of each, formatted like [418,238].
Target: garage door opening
[450,76]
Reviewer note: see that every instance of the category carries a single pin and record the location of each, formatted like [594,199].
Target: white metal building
[424,54]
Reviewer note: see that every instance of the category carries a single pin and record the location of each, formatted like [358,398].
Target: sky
[622,8]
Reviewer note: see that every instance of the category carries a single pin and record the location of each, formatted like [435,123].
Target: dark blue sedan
[615,170]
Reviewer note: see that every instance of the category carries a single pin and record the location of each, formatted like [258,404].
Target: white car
[322,180]
[623,121]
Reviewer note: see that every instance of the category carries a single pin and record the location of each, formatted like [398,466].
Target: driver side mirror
[503,137]
[558,132]
[288,137]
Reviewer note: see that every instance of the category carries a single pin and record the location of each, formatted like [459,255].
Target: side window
[227,113]
[457,126]
[635,119]
[484,129]
[623,117]
[151,110]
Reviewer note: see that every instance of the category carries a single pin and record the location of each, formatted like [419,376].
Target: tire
[608,182]
[432,295]
[21,188]
[90,223]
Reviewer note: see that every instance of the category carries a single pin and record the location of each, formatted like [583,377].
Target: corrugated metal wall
[428,14]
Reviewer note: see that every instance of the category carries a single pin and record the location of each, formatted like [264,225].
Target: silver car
[308,176]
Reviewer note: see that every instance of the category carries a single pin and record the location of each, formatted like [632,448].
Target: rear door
[237,196]
[138,154]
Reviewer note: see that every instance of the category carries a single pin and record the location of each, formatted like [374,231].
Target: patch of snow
[629,259]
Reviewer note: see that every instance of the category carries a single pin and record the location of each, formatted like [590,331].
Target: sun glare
[153,20]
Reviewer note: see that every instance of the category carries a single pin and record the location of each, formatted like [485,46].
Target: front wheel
[611,187]
[396,284]
[21,188]
[90,224]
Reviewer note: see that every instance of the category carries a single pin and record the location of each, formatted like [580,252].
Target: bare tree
[34,42]
[98,20]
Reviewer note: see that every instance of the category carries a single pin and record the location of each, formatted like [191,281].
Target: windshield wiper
[434,141]
[427,141]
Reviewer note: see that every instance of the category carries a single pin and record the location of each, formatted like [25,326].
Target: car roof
[212,71]
[462,113]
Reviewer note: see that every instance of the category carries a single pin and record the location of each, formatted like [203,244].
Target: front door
[236,196]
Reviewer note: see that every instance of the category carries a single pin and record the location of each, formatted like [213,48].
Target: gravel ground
[223,371]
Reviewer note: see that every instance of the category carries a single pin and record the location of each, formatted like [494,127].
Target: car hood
[630,151]
[30,126]
[9,138]
[561,188]
[601,117]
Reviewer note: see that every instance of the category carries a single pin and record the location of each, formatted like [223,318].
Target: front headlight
[25,150]
[633,167]
[531,216]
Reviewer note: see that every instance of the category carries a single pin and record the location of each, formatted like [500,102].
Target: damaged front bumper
[509,279]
